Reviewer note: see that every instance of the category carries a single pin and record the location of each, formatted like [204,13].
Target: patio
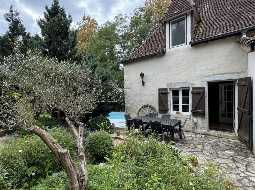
[233,157]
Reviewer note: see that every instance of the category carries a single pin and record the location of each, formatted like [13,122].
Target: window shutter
[163,100]
[198,101]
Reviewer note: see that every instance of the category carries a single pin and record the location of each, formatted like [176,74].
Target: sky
[32,10]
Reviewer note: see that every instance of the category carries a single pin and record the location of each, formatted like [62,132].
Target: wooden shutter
[245,111]
[198,101]
[163,100]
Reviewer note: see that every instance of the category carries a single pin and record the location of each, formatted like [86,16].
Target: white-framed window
[180,100]
[178,32]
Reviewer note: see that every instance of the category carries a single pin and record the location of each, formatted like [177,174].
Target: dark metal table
[170,126]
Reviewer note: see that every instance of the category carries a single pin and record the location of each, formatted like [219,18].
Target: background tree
[143,21]
[55,29]
[34,84]
[100,49]
[86,31]
[16,32]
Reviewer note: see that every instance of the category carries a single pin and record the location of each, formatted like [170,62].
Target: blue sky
[32,10]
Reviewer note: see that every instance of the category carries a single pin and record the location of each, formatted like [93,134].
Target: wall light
[142,77]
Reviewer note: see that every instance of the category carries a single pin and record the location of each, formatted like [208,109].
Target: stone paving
[233,157]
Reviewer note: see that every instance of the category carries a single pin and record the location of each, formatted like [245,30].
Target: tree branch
[62,155]
[79,135]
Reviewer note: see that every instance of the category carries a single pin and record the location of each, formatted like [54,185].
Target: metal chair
[129,121]
[165,117]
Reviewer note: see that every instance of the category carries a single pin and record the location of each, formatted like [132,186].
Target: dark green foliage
[138,30]
[31,43]
[56,181]
[16,36]
[46,120]
[99,146]
[6,46]
[16,28]
[149,164]
[55,29]
[16,32]
[26,160]
[100,123]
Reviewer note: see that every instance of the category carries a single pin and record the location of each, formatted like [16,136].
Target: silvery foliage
[48,84]
[8,113]
[112,93]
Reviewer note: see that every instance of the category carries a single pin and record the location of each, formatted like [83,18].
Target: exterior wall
[251,71]
[190,66]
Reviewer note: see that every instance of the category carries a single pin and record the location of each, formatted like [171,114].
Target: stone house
[198,63]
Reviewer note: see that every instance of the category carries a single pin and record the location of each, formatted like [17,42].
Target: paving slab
[232,156]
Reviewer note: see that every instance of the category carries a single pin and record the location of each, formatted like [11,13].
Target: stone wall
[213,61]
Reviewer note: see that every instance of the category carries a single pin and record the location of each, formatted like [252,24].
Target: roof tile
[217,18]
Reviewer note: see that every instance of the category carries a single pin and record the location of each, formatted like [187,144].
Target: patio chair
[129,121]
[137,124]
[156,127]
[152,115]
[165,117]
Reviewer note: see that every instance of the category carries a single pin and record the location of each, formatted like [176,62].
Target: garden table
[167,125]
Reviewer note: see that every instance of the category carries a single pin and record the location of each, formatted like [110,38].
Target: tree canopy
[55,30]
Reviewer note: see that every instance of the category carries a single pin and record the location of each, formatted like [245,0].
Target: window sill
[178,47]
[180,113]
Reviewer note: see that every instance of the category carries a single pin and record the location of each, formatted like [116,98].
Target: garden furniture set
[162,126]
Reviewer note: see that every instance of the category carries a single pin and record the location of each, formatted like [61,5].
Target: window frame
[180,101]
[170,32]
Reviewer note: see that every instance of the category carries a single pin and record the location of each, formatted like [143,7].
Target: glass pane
[178,30]
[185,92]
[185,100]
[175,100]
[175,93]
[185,108]
[230,115]
[175,107]
[175,97]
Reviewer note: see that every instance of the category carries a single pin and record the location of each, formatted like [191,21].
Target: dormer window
[178,32]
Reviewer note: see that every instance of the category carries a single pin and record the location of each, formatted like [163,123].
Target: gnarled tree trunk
[78,176]
[62,156]
[78,135]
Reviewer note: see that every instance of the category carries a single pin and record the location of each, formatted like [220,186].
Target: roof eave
[157,54]
[213,38]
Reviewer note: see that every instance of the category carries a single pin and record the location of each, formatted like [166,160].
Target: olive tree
[35,84]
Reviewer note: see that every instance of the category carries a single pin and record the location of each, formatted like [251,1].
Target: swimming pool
[118,119]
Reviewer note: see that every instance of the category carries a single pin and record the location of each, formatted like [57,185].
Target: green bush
[151,165]
[56,181]
[99,146]
[46,119]
[100,123]
[27,159]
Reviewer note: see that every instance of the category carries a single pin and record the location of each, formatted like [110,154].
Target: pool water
[118,119]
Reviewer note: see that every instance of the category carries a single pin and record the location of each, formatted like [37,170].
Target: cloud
[101,10]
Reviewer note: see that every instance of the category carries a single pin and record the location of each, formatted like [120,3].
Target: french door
[226,108]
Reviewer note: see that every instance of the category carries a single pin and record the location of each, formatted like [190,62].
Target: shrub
[55,181]
[27,159]
[100,123]
[149,164]
[99,146]
[46,119]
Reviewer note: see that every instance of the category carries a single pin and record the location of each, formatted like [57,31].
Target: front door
[226,100]
[245,111]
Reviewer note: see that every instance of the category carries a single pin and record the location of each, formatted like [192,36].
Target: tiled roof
[152,46]
[178,8]
[217,19]
[223,17]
